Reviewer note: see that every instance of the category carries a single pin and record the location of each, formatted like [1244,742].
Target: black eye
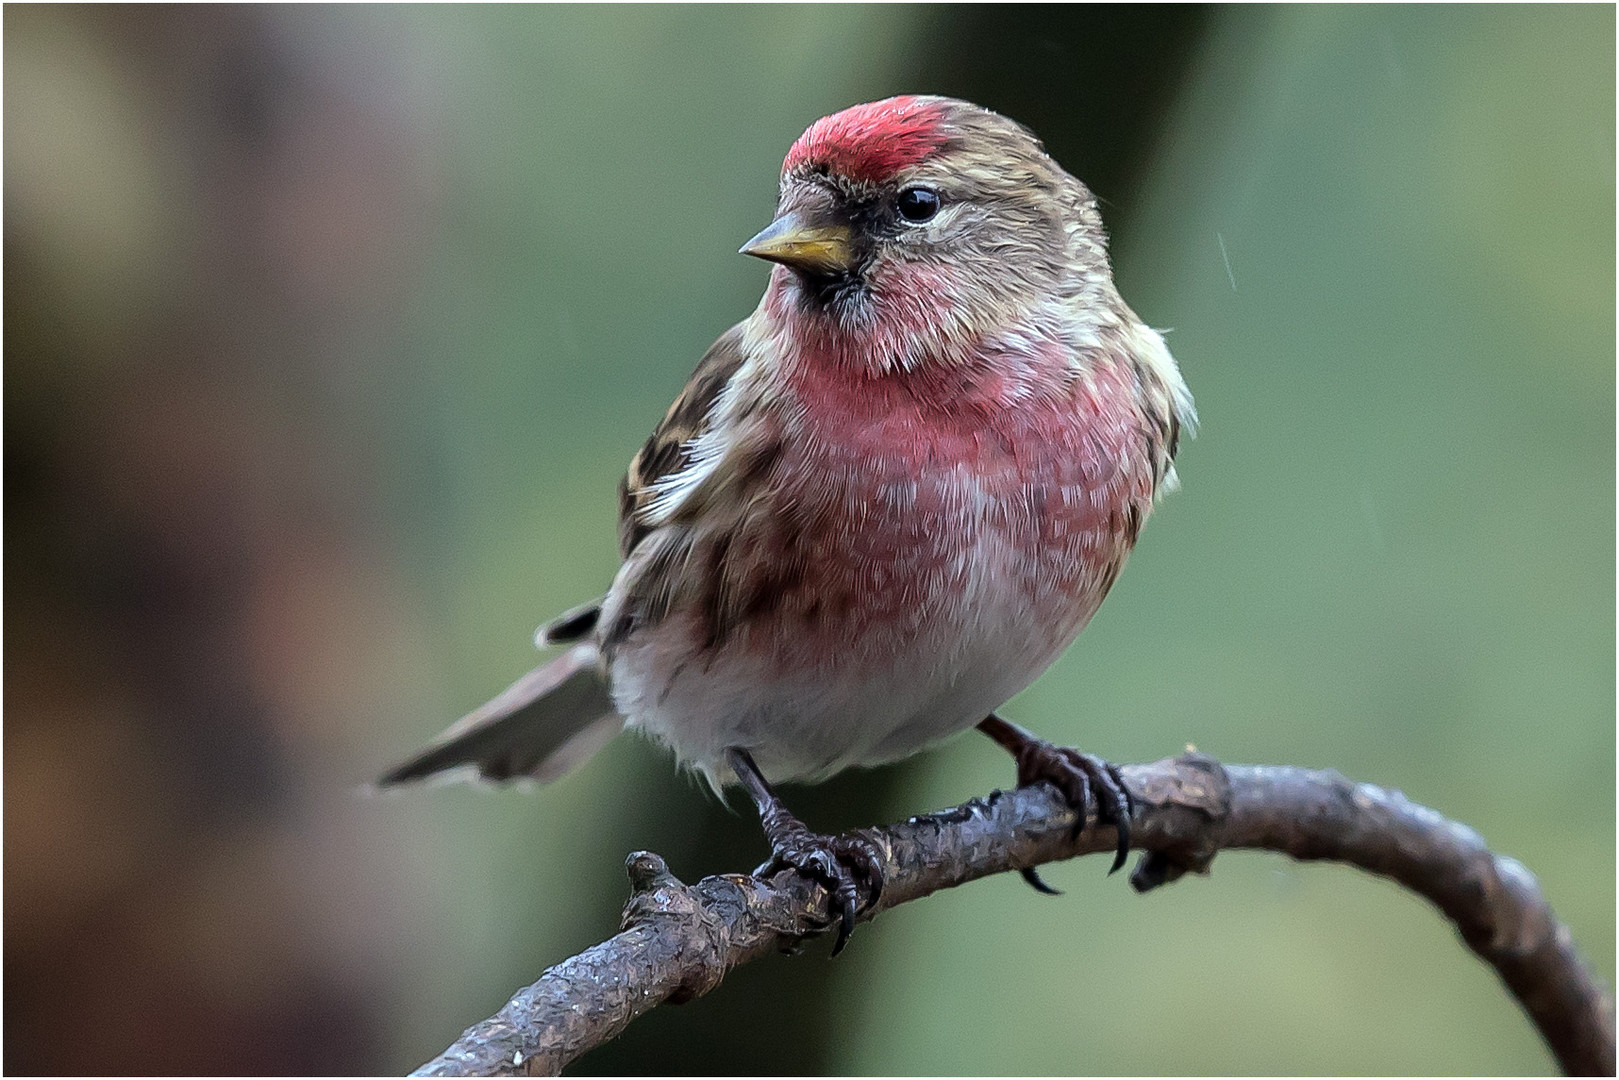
[918,204]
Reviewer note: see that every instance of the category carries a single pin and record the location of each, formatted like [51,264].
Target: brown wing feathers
[666,450]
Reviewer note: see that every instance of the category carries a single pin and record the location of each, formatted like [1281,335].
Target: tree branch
[679,940]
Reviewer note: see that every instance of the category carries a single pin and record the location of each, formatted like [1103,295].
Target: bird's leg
[1073,774]
[836,862]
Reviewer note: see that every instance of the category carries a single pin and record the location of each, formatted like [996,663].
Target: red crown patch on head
[872,141]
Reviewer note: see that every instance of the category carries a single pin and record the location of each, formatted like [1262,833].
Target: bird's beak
[816,247]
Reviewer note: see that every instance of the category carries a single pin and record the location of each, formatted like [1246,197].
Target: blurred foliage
[330,330]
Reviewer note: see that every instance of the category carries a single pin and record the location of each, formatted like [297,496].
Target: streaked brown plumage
[888,499]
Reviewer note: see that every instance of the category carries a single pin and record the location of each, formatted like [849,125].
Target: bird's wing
[544,724]
[684,450]
[696,494]
[560,713]
[575,624]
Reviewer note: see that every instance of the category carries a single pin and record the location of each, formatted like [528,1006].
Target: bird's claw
[1038,883]
[848,866]
[1074,774]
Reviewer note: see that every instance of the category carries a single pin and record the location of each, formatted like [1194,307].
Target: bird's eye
[918,204]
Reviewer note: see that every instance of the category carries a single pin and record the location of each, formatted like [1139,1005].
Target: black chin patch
[831,290]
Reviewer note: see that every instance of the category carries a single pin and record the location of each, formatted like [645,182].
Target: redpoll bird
[885,502]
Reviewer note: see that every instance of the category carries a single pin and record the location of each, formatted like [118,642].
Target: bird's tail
[546,723]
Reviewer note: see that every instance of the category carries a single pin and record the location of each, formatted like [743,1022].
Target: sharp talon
[1076,777]
[1123,848]
[845,866]
[836,863]
[1037,883]
[1116,804]
[845,928]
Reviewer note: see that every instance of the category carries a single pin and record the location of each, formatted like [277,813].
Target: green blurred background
[329,332]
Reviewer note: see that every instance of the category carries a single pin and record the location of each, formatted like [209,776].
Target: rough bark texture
[679,940]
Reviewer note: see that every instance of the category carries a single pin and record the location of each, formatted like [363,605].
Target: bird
[884,502]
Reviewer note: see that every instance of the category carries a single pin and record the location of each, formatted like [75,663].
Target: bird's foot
[1074,775]
[848,866]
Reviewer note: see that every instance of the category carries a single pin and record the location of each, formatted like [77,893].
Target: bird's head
[927,223]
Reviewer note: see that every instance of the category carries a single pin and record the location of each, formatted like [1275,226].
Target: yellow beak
[812,246]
